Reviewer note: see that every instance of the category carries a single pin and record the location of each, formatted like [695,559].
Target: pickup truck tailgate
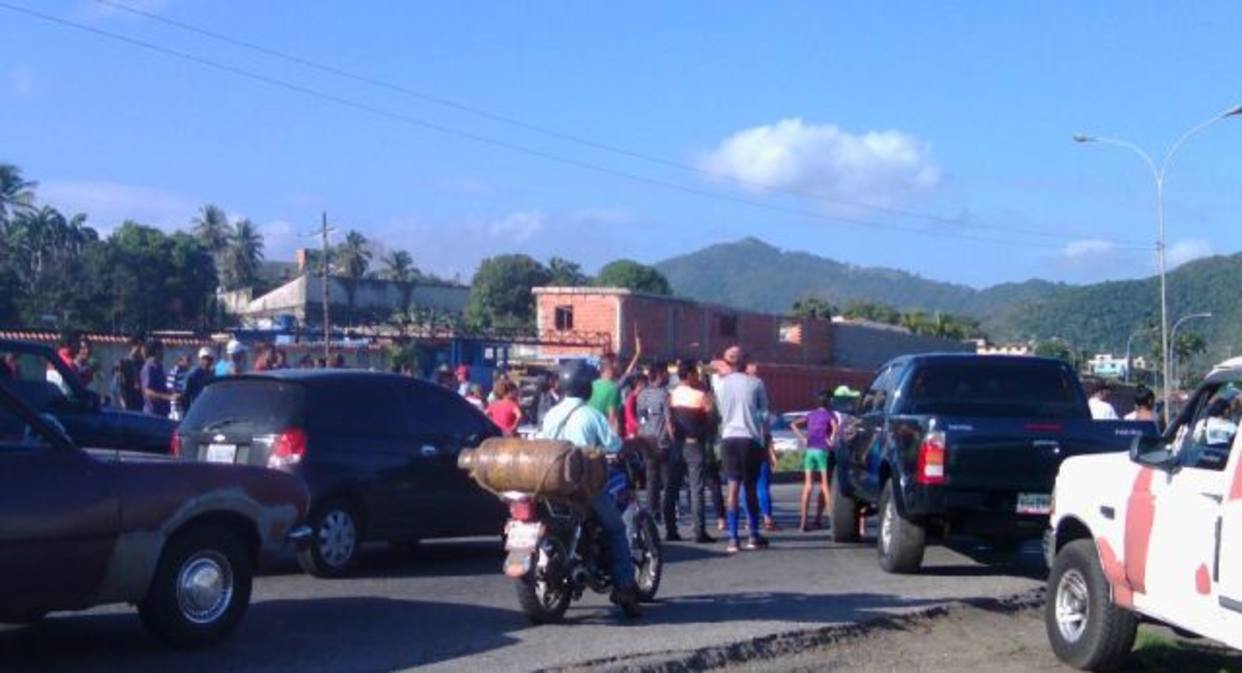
[1015,455]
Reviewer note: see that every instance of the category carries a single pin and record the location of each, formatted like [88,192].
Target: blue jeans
[617,539]
[763,490]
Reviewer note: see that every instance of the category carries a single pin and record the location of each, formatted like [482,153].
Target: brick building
[673,328]
[797,357]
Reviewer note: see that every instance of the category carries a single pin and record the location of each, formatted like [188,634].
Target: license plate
[221,453]
[523,535]
[1034,503]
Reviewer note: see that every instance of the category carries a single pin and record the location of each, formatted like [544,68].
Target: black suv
[377,451]
[44,382]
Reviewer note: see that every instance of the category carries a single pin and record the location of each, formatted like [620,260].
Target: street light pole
[1159,173]
[1129,342]
[1168,355]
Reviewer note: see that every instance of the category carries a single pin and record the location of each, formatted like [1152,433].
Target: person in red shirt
[505,412]
[631,406]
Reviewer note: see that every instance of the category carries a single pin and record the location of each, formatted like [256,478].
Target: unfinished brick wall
[676,328]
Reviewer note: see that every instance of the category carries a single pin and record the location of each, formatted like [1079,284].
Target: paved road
[447,607]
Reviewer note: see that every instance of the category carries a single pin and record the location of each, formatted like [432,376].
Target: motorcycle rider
[574,421]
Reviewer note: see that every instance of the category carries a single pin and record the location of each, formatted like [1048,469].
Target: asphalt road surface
[447,607]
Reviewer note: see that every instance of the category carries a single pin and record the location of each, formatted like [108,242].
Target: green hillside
[1096,317]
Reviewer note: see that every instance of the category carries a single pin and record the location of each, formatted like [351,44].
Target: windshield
[245,406]
[994,389]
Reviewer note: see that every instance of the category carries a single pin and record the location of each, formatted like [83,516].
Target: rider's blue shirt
[575,422]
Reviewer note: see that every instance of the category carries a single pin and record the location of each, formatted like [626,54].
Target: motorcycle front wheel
[544,592]
[648,557]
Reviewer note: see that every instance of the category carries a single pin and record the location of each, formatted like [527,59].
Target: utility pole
[323,232]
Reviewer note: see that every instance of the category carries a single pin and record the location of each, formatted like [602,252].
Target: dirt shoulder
[993,636]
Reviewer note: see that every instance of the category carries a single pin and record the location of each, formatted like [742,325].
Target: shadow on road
[337,635]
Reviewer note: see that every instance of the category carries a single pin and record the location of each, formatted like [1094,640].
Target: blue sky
[959,111]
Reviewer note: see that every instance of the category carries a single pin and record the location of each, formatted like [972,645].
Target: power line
[447,130]
[570,137]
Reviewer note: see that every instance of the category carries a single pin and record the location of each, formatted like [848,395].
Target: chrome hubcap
[1073,606]
[338,535]
[205,587]
[647,559]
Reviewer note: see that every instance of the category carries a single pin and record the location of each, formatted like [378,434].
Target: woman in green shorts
[816,430]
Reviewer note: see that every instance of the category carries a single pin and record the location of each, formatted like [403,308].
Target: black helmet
[576,377]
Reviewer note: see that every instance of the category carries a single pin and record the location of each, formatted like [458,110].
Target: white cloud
[1088,248]
[107,204]
[518,227]
[21,81]
[876,167]
[281,240]
[1188,250]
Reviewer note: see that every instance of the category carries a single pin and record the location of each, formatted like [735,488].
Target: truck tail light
[287,449]
[931,462]
[522,510]
[174,445]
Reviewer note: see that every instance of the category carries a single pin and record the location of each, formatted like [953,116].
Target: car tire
[900,542]
[843,518]
[201,588]
[336,540]
[1086,630]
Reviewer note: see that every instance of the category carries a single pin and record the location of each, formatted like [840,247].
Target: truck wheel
[337,539]
[200,590]
[843,517]
[901,542]
[1086,630]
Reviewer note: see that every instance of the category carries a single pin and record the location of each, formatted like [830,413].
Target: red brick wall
[795,387]
[593,314]
[672,328]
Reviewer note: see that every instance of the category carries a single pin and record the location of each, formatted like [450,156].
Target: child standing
[820,426]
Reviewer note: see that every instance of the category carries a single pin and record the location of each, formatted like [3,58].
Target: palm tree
[400,269]
[211,228]
[16,194]
[245,253]
[353,257]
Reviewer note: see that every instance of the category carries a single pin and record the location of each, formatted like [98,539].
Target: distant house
[373,300]
[1104,365]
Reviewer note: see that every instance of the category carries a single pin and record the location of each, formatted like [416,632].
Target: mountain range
[1097,317]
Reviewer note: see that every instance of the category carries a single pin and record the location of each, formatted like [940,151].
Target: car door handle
[1216,497]
[428,451]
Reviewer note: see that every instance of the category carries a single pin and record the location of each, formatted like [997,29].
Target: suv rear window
[992,389]
[247,406]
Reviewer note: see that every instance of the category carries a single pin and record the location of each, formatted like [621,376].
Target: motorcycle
[557,550]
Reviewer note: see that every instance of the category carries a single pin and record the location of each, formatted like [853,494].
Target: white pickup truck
[1156,534]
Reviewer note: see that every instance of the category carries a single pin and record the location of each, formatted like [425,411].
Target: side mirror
[1152,452]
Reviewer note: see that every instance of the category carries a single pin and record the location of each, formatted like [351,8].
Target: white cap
[206,352]
[234,347]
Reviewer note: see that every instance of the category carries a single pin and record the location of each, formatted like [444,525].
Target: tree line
[57,271]
[935,324]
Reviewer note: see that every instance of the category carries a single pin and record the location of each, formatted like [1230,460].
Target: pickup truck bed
[964,444]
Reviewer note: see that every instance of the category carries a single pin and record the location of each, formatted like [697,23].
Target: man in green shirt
[606,390]
[606,394]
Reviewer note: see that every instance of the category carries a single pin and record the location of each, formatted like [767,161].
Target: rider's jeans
[609,516]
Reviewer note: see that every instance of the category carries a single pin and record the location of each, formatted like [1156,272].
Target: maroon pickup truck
[80,528]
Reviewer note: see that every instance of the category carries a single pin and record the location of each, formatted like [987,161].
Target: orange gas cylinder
[550,468]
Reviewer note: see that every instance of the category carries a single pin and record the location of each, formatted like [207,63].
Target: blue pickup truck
[963,444]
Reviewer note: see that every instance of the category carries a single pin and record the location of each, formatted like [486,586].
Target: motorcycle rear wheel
[648,557]
[545,600]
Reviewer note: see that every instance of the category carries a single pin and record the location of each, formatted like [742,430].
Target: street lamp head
[1235,111]
[1084,138]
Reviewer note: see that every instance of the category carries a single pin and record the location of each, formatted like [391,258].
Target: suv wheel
[337,537]
[201,588]
[900,542]
[1086,630]
[843,515]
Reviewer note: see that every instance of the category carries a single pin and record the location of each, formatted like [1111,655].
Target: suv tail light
[288,448]
[174,445]
[522,510]
[930,468]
